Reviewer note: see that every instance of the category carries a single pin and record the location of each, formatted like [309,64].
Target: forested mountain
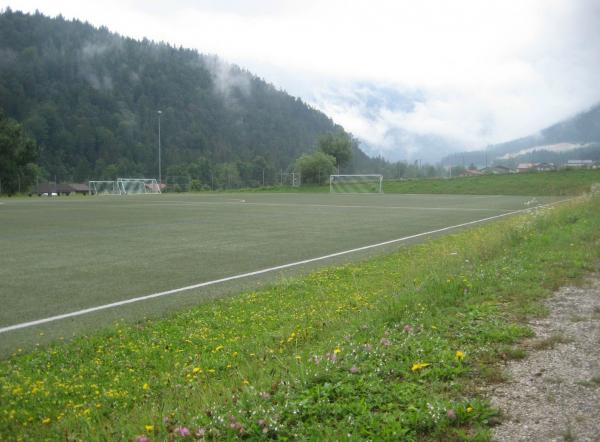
[90,97]
[575,138]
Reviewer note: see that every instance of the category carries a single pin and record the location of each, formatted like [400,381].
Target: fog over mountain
[411,80]
[577,137]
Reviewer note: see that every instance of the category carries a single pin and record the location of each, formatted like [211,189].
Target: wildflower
[419,365]
[385,342]
[337,350]
[408,328]
[354,370]
[196,370]
[183,431]
[46,420]
[459,355]
[200,432]
[149,428]
[146,386]
[451,414]
[142,438]
[469,409]
[246,382]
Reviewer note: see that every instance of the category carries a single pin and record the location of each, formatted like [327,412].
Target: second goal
[356,183]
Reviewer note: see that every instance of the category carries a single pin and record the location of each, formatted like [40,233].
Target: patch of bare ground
[554,393]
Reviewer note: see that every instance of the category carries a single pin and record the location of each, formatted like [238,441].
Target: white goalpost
[356,183]
[104,188]
[138,186]
[293,179]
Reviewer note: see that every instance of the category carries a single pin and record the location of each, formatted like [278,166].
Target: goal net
[291,179]
[356,183]
[104,188]
[137,186]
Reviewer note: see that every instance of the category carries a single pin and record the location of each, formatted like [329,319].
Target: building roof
[62,188]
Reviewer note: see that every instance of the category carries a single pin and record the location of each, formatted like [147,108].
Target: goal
[137,186]
[356,183]
[104,188]
[291,179]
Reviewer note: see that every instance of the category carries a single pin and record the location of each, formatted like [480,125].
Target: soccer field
[66,254]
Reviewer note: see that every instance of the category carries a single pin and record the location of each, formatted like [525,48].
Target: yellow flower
[419,365]
[337,350]
[196,370]
[469,409]
[149,428]
[459,355]
[146,386]
[46,420]
[246,382]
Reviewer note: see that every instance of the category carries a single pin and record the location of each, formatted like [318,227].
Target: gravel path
[554,393]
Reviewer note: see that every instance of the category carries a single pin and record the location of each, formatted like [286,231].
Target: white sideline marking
[334,206]
[257,272]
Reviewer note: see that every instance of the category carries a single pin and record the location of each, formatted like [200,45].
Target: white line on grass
[333,206]
[257,272]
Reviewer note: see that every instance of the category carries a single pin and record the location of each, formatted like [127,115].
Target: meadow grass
[393,348]
[555,183]
[562,182]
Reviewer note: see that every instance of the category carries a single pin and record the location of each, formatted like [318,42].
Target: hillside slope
[577,137]
[90,99]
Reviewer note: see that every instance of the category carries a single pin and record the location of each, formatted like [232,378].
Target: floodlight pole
[159,162]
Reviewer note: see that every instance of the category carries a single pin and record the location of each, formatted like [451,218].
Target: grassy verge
[563,182]
[392,348]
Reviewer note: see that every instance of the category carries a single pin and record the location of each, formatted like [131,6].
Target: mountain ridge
[90,97]
[579,133]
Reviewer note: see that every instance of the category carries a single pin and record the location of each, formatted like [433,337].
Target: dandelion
[419,365]
[146,386]
[149,428]
[469,409]
[196,370]
[337,350]
[459,355]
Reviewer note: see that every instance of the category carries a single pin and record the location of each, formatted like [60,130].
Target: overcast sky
[474,71]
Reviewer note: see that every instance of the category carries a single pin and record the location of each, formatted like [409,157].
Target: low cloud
[405,77]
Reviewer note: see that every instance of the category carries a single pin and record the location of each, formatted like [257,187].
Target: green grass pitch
[66,254]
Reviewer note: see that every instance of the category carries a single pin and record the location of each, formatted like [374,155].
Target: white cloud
[484,71]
